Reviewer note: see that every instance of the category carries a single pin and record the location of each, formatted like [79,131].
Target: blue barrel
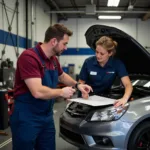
[65,69]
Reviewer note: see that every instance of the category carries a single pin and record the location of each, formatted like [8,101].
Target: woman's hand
[85,96]
[120,102]
[85,90]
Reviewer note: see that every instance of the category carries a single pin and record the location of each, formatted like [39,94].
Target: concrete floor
[60,143]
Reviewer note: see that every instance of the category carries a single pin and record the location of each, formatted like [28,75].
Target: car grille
[72,136]
[78,110]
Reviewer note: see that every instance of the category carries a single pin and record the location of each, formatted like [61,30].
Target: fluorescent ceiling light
[109,17]
[113,3]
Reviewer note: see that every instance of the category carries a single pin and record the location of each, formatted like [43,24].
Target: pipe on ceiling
[115,12]
[66,12]
[58,9]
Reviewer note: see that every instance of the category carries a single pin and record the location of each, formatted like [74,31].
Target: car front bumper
[94,135]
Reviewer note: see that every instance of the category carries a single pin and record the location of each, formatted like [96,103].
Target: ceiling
[66,9]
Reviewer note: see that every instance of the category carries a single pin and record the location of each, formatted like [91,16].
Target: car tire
[140,138]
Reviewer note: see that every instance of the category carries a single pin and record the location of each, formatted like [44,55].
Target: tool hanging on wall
[10,29]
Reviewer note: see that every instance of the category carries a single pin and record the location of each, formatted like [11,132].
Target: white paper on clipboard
[94,100]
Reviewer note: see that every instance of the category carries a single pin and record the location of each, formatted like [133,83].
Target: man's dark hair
[56,31]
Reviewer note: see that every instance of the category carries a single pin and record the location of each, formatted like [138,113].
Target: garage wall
[138,29]
[40,21]
[43,20]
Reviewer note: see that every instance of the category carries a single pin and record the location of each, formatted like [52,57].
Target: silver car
[106,127]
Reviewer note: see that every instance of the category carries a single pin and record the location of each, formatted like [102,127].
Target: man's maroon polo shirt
[29,66]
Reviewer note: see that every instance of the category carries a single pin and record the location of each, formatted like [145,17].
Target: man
[37,75]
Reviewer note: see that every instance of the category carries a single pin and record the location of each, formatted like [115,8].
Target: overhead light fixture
[113,3]
[109,17]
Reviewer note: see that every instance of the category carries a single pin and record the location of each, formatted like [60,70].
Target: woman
[101,70]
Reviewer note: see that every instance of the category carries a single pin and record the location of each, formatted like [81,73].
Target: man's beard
[56,51]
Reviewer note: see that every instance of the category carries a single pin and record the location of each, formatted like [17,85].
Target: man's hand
[120,102]
[67,92]
[85,90]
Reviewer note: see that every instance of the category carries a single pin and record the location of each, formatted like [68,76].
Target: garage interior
[23,24]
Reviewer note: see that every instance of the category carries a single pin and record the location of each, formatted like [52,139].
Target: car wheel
[140,138]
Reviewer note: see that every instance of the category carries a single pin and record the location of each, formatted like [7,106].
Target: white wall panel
[144,33]
[54,19]
[22,18]
[42,21]
[72,25]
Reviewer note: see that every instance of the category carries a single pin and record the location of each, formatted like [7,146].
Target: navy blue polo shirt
[101,78]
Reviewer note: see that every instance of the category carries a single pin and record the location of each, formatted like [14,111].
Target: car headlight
[109,114]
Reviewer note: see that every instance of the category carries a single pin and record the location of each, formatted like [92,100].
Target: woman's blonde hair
[108,44]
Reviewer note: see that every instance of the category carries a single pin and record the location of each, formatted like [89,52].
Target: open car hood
[135,57]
